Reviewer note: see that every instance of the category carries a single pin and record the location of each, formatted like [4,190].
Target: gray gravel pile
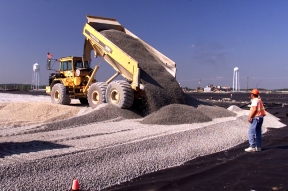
[215,112]
[17,114]
[174,114]
[97,169]
[234,108]
[270,121]
[243,117]
[161,88]
[108,112]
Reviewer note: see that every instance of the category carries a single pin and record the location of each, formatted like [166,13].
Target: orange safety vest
[260,108]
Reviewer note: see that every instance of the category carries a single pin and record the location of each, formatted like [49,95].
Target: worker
[257,112]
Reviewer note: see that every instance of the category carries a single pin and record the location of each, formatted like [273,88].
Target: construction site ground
[232,169]
[226,169]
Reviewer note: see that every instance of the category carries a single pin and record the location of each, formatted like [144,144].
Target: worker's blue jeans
[255,132]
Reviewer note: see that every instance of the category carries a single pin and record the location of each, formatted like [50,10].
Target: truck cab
[72,76]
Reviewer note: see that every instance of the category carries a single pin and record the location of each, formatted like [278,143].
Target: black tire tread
[64,98]
[102,86]
[127,93]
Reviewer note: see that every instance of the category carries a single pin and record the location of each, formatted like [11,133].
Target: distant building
[212,88]
[226,88]
[207,89]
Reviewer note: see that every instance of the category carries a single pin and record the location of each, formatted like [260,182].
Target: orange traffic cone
[75,185]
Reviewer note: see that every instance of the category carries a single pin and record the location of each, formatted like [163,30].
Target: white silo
[236,83]
[36,76]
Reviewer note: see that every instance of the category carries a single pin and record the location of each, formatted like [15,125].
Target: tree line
[19,87]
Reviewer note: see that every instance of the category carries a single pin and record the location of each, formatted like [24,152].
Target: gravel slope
[27,113]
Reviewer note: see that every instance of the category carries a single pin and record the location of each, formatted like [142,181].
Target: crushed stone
[176,114]
[161,88]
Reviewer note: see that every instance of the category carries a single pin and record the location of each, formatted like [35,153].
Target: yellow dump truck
[75,78]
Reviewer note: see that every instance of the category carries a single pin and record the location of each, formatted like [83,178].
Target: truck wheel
[96,94]
[83,101]
[120,94]
[58,95]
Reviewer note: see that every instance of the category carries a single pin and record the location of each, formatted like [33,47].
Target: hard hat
[255,92]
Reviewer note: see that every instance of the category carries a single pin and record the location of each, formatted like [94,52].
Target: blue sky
[206,38]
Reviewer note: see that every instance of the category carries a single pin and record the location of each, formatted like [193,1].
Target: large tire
[59,96]
[120,94]
[96,94]
[83,101]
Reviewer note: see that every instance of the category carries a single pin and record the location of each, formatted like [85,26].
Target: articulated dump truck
[75,79]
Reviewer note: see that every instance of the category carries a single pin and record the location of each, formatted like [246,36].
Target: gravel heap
[174,114]
[182,114]
[107,112]
[234,108]
[270,121]
[26,113]
[161,88]
[104,167]
[215,112]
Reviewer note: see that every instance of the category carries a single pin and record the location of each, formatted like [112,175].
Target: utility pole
[199,87]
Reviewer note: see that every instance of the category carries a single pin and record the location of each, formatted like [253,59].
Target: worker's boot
[258,149]
[250,149]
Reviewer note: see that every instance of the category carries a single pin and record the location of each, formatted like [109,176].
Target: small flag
[49,55]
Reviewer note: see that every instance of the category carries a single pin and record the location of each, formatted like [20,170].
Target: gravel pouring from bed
[161,88]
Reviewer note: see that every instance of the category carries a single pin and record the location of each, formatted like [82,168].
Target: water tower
[36,76]
[236,83]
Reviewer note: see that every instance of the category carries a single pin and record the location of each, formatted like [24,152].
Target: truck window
[67,65]
[79,64]
[63,66]
[86,64]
